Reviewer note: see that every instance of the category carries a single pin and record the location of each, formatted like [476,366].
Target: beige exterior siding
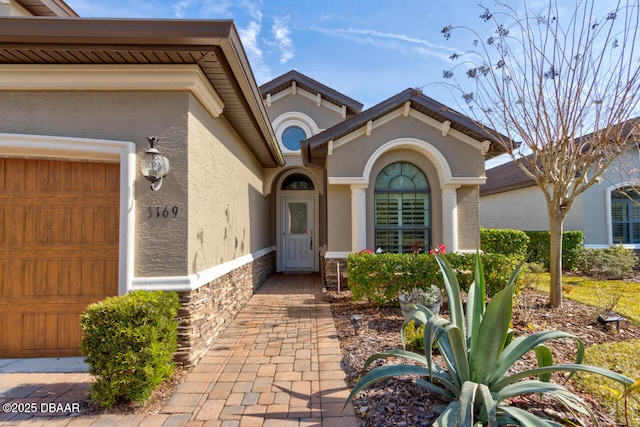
[339,218]
[323,117]
[468,219]
[228,213]
[349,159]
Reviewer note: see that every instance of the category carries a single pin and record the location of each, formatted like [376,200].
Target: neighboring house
[402,176]
[287,177]
[510,199]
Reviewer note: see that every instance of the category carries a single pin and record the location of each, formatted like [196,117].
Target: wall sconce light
[154,166]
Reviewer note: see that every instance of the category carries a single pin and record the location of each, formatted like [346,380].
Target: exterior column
[450,218]
[358,217]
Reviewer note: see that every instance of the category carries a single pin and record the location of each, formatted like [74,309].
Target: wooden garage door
[58,251]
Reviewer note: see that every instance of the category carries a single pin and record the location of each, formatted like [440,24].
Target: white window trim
[609,219]
[294,118]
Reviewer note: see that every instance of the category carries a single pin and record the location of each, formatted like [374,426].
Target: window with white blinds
[402,209]
[625,215]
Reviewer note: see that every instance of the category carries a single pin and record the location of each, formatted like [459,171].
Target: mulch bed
[399,402]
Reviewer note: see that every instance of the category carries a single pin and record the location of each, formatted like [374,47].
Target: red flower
[366,251]
[441,249]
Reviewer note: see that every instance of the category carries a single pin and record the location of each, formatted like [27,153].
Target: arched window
[625,215]
[292,136]
[402,209]
[297,181]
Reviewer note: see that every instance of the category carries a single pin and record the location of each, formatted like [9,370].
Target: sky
[368,50]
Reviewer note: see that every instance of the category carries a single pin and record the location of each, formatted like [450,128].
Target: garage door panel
[50,331]
[91,276]
[59,226]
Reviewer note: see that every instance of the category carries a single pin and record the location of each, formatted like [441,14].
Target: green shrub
[504,241]
[539,245]
[615,262]
[129,342]
[381,278]
[414,337]
[497,270]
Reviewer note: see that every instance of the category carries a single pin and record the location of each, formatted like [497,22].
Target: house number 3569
[162,212]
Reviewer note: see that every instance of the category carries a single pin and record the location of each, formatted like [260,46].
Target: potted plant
[430,297]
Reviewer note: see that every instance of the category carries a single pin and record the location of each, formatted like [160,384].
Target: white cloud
[282,36]
[249,36]
[217,9]
[393,41]
[254,8]
[180,7]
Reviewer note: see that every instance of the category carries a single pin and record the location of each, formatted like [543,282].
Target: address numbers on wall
[162,211]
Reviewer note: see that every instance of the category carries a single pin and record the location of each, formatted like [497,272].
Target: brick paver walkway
[276,364]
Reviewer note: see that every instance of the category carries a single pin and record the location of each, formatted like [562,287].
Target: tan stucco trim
[429,151]
[112,77]
[371,126]
[300,91]
[66,148]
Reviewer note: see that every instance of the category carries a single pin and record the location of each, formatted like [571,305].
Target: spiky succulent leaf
[524,418]
[452,289]
[492,334]
[571,368]
[544,358]
[467,401]
[522,345]
[475,309]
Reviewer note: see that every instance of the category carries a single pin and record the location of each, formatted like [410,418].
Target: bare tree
[563,82]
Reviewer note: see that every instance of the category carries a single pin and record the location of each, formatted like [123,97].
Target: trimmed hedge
[129,342]
[539,244]
[504,241]
[381,278]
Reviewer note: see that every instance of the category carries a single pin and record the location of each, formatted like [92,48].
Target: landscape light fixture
[154,166]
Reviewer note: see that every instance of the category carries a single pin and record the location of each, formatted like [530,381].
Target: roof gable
[293,80]
[315,148]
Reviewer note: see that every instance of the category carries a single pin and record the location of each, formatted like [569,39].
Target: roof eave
[162,34]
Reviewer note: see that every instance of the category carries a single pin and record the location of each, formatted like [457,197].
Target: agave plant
[478,352]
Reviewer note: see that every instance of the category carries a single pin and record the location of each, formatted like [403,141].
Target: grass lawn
[623,297]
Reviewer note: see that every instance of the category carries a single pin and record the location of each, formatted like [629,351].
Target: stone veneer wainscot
[205,312]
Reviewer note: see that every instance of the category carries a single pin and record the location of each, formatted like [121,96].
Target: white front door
[298,234]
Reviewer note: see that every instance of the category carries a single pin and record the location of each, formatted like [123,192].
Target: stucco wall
[594,208]
[323,116]
[524,209]
[468,218]
[339,218]
[349,159]
[228,214]
[123,116]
